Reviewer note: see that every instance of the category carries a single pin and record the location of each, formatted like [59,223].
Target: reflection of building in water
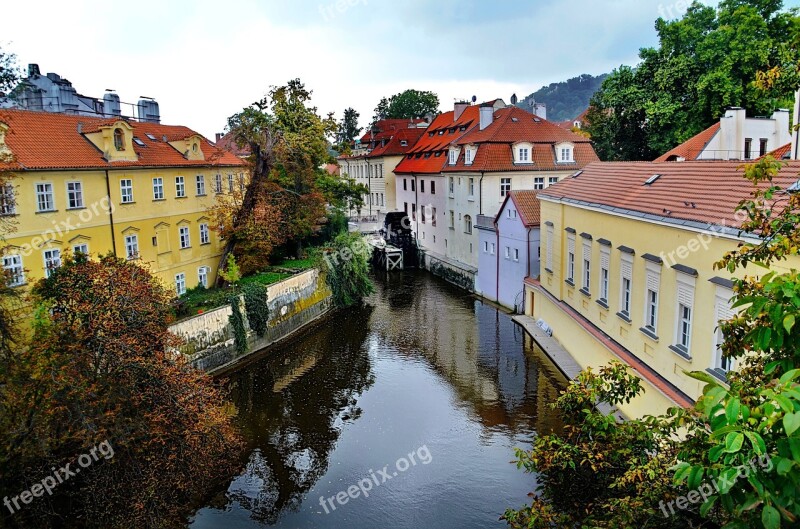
[482,353]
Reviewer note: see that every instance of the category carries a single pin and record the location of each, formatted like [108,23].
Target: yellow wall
[146,217]
[643,237]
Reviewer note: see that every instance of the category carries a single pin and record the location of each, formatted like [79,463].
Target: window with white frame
[653,281]
[485,246]
[13,269]
[467,224]
[80,248]
[550,233]
[523,155]
[508,252]
[722,312]
[453,156]
[683,332]
[451,184]
[218,183]
[433,216]
[126,190]
[52,260]
[180,187]
[205,236]
[8,204]
[571,258]
[230,183]
[538,182]
[44,197]
[565,154]
[132,246]
[505,186]
[626,282]
[200,185]
[552,180]
[587,265]
[491,249]
[516,254]
[180,284]
[452,219]
[202,275]
[158,188]
[74,195]
[183,234]
[605,263]
[469,155]
[471,187]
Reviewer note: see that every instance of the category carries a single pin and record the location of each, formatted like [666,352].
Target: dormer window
[119,140]
[403,143]
[453,156]
[469,155]
[565,153]
[524,155]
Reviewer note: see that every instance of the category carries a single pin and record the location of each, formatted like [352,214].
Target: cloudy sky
[204,60]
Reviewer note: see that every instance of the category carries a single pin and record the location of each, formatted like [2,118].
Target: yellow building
[627,269]
[98,185]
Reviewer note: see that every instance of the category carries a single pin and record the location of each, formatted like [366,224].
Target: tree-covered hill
[567,99]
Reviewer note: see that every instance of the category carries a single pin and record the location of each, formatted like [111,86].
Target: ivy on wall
[257,307]
[237,322]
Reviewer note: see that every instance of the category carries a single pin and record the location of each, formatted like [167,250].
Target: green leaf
[728,479]
[715,452]
[785,403]
[790,375]
[707,506]
[757,441]
[788,322]
[791,422]
[732,410]
[770,517]
[794,448]
[733,442]
[785,466]
[772,366]
[695,477]
[702,376]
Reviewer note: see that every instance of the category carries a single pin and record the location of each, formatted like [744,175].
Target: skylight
[794,188]
[138,142]
[150,136]
[577,174]
[515,120]
[652,179]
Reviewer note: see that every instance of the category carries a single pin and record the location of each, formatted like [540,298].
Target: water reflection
[422,363]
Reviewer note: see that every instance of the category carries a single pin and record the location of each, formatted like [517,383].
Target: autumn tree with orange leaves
[102,367]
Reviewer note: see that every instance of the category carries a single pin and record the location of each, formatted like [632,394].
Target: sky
[205,60]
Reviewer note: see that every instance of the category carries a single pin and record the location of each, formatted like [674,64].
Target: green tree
[348,129]
[345,264]
[706,61]
[9,71]
[343,192]
[409,104]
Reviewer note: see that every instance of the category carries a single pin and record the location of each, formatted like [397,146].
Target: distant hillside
[566,100]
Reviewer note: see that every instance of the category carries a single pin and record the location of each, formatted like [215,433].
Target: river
[412,403]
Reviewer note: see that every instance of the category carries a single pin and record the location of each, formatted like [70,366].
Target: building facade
[628,253]
[138,190]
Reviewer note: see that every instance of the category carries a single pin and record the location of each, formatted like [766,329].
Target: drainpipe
[480,195]
[528,244]
[497,268]
[369,185]
[111,214]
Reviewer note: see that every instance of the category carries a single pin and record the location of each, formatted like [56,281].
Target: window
[413,211]
[508,252]
[202,275]
[651,297]
[505,186]
[605,259]
[405,184]
[565,155]
[422,186]
[15,273]
[44,197]
[485,246]
[205,237]
[472,187]
[686,285]
[132,246]
[180,284]
[230,183]
[452,219]
[516,254]
[433,216]
[468,156]
[241,182]
[549,247]
[8,205]
[119,140]
[183,233]
[524,155]
[180,187]
[158,188]
[748,148]
[491,251]
[538,183]
[126,190]
[722,312]
[467,224]
[626,280]
[200,185]
[552,180]
[52,260]
[451,186]
[762,147]
[422,213]
[81,248]
[571,258]
[413,185]
[405,207]
[433,187]
[587,266]
[218,184]
[74,195]
[453,157]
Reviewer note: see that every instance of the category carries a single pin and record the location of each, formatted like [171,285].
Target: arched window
[119,140]
[467,224]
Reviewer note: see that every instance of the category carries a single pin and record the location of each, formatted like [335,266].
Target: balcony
[484,221]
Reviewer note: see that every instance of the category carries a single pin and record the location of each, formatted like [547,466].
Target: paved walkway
[550,346]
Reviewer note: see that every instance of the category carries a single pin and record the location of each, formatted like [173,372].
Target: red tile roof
[513,125]
[386,128]
[44,140]
[781,153]
[228,143]
[527,204]
[691,148]
[706,192]
[399,143]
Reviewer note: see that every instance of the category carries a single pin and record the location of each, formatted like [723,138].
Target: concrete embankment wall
[293,303]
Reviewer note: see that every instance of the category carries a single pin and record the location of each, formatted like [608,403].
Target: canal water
[403,413]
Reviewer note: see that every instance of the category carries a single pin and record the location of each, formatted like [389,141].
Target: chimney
[514,99]
[782,134]
[796,133]
[487,115]
[459,109]
[219,136]
[33,69]
[732,127]
[540,110]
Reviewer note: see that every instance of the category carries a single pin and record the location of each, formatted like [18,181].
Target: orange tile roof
[394,145]
[704,192]
[44,140]
[527,204]
[691,148]
[386,128]
[783,152]
[228,143]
